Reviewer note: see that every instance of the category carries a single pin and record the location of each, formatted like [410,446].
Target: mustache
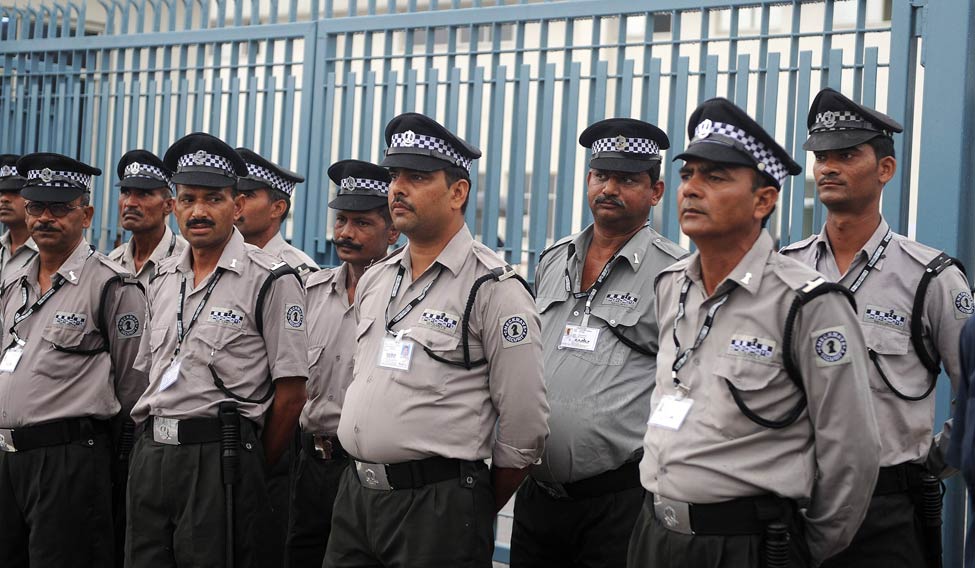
[45,228]
[399,199]
[347,244]
[609,199]
[828,179]
[199,223]
[132,211]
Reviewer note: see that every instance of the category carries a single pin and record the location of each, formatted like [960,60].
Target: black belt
[51,434]
[194,430]
[416,474]
[743,516]
[900,478]
[323,446]
[627,476]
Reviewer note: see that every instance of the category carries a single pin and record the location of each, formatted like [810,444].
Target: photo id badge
[579,337]
[170,374]
[671,412]
[396,354]
[11,357]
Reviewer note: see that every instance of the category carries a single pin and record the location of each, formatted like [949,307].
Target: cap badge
[703,129]
[829,119]
[409,138]
[621,142]
[133,169]
[6,171]
[200,157]
[47,175]
[348,184]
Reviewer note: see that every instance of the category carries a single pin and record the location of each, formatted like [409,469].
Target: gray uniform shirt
[885,300]
[827,460]
[331,348]
[600,399]
[10,263]
[225,335]
[171,244]
[497,410]
[48,384]
[295,257]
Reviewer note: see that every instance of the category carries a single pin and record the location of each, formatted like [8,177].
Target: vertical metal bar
[182,125]
[453,99]
[827,46]
[430,92]
[900,106]
[798,205]
[597,111]
[711,77]
[347,115]
[366,115]
[762,58]
[150,122]
[233,112]
[267,128]
[770,96]
[494,155]
[861,23]
[517,158]
[676,128]
[322,246]
[734,73]
[541,184]
[250,114]
[836,69]
[474,121]
[869,91]
[741,81]
[652,94]
[409,97]
[624,91]
[565,202]
[216,107]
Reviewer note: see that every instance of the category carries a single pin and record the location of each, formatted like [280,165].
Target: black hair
[883,146]
[453,174]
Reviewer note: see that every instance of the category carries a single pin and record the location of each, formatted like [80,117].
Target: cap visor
[244,184]
[142,183]
[837,140]
[715,152]
[203,179]
[357,202]
[50,194]
[414,162]
[13,183]
[621,164]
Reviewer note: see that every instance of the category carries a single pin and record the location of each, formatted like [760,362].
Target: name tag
[671,412]
[396,354]
[170,374]
[11,357]
[579,337]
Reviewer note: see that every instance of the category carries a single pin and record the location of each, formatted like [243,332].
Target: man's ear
[886,168]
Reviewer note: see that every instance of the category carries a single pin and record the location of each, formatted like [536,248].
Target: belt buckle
[372,475]
[554,490]
[165,430]
[323,446]
[675,515]
[7,440]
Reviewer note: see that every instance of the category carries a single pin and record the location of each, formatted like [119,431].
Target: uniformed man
[599,340]
[72,320]
[144,204]
[447,374]
[16,246]
[909,327]
[267,191]
[226,354]
[761,447]
[363,231]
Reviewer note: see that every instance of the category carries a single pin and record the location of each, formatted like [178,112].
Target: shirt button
[355,429]
[338,357]
[612,322]
[575,313]
[663,470]
[331,397]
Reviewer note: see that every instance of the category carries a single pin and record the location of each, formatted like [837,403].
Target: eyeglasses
[58,209]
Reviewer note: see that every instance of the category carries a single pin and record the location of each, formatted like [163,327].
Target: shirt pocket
[426,373]
[55,361]
[893,351]
[765,389]
[233,352]
[609,350]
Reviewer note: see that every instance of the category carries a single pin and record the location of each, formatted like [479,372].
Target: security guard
[72,321]
[910,327]
[145,202]
[226,354]
[267,190]
[599,341]
[16,246]
[363,231]
[761,447]
[447,374]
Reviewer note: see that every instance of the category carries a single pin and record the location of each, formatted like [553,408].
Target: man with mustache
[911,328]
[599,340]
[226,355]
[363,231]
[72,324]
[447,374]
[16,246]
[145,202]
[762,442]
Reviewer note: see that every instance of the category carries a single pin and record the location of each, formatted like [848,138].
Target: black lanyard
[24,312]
[182,332]
[600,280]
[682,358]
[874,259]
[414,303]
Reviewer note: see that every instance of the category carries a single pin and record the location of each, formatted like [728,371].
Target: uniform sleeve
[285,337]
[947,307]
[510,336]
[962,444]
[126,321]
[832,356]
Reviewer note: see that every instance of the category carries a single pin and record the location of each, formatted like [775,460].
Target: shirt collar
[865,252]
[276,245]
[72,268]
[158,254]
[5,242]
[232,257]
[452,257]
[633,251]
[749,271]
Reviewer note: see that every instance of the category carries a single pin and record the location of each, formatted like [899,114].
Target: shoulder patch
[964,308]
[294,317]
[831,346]
[128,325]
[514,330]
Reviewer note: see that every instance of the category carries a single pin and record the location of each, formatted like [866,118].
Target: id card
[396,354]
[579,337]
[671,412]
[170,374]
[11,357]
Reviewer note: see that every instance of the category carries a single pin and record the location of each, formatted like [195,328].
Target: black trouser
[314,485]
[583,533]
[176,513]
[653,545]
[440,525]
[56,505]
[279,496]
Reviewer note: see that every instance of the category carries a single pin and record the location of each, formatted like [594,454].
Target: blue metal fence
[307,83]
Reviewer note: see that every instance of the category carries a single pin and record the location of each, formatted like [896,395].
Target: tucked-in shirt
[600,399]
[295,257]
[496,410]
[885,301]
[11,262]
[331,349]
[225,336]
[169,245]
[827,460]
[50,384]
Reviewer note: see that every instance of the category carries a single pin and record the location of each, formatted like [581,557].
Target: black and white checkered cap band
[350,184]
[409,139]
[148,171]
[833,120]
[624,144]
[273,180]
[203,158]
[52,178]
[764,156]
[8,171]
